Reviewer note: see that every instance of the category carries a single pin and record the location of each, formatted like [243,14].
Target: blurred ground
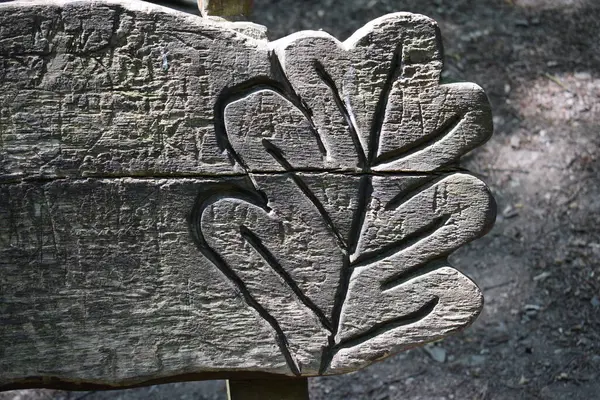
[538,338]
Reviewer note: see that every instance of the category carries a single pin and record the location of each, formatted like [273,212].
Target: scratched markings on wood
[182,196]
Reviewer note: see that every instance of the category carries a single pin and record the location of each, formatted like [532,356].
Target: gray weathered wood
[268,389]
[181,198]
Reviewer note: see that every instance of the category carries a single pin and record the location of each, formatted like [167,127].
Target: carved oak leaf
[338,235]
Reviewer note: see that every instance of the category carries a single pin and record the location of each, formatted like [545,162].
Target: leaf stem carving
[365,191]
[364,196]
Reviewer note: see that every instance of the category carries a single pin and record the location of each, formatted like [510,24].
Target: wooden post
[268,389]
[225,8]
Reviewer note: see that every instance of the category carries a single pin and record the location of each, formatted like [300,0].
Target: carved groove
[277,154]
[364,195]
[245,89]
[409,240]
[391,324]
[422,143]
[414,272]
[393,74]
[360,153]
[340,298]
[378,329]
[412,191]
[295,99]
[232,94]
[270,259]
[195,223]
[365,191]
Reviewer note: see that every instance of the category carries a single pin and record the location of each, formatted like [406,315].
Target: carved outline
[425,141]
[212,194]
[285,89]
[282,86]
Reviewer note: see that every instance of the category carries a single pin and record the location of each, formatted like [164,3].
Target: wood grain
[182,199]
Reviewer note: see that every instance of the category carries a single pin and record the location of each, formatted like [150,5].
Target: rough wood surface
[180,197]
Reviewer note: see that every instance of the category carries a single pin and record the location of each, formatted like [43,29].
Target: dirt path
[538,338]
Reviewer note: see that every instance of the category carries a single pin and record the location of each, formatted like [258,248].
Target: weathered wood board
[180,197]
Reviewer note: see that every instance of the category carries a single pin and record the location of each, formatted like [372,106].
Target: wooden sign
[182,199]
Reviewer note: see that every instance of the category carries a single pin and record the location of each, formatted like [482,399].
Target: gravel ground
[538,338]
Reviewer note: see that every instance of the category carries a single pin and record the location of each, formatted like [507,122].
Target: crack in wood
[278,155]
[11,180]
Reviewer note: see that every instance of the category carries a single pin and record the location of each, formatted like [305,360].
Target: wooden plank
[181,198]
[116,88]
